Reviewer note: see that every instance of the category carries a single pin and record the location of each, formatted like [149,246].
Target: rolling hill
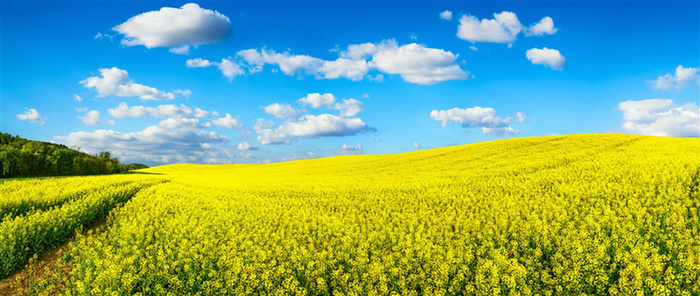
[578,214]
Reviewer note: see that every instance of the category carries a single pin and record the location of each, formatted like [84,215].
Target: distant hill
[20,157]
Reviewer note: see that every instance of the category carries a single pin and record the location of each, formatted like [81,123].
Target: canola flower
[25,195]
[572,215]
[54,216]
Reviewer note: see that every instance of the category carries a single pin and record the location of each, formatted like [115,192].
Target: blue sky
[375,77]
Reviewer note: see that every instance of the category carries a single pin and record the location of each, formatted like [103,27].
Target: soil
[19,281]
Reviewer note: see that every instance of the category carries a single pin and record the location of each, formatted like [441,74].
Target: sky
[246,82]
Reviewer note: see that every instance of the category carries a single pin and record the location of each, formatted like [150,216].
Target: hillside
[448,166]
[558,215]
[20,157]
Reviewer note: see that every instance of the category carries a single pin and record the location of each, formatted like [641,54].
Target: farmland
[581,214]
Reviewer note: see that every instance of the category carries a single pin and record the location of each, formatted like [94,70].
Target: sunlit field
[582,214]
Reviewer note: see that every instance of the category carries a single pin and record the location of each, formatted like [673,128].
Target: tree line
[20,157]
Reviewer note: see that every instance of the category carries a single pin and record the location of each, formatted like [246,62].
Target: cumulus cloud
[416,145]
[316,100]
[312,126]
[171,140]
[548,57]
[298,156]
[90,118]
[544,27]
[415,63]
[227,67]
[116,82]
[660,117]
[296,125]
[282,111]
[347,107]
[291,64]
[175,28]
[228,122]
[503,28]
[185,93]
[350,150]
[125,111]
[244,146]
[262,123]
[446,15]
[485,118]
[419,64]
[684,77]
[32,115]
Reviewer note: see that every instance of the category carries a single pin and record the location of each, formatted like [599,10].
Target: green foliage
[24,158]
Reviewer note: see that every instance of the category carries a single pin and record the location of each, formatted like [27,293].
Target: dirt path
[18,282]
[49,262]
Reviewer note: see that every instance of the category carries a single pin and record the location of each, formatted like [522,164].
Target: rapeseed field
[590,214]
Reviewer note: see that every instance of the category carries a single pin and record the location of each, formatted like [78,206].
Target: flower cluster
[584,214]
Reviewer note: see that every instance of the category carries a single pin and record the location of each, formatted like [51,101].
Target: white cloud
[90,118]
[104,36]
[485,118]
[32,115]
[291,64]
[503,28]
[376,78]
[316,100]
[227,121]
[350,150]
[344,68]
[296,125]
[298,156]
[416,145]
[171,140]
[116,82]
[243,146]
[282,111]
[347,107]
[546,56]
[415,63]
[226,66]
[367,50]
[446,15]
[312,126]
[125,111]
[544,27]
[660,117]
[77,98]
[175,28]
[684,77]
[198,63]
[185,93]
[521,116]
[418,64]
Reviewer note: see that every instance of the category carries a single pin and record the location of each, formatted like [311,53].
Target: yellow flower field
[582,214]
